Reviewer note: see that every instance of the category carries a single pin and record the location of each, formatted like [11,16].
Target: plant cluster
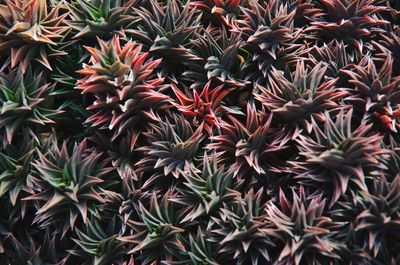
[199,132]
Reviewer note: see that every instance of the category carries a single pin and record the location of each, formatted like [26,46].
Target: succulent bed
[200,132]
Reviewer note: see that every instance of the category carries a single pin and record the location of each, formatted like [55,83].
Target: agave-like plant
[25,100]
[304,232]
[170,144]
[100,18]
[165,31]
[350,21]
[123,80]
[122,152]
[98,244]
[250,148]
[242,230]
[10,221]
[122,156]
[68,184]
[227,65]
[303,95]
[156,236]
[4,233]
[223,60]
[131,193]
[15,165]
[31,31]
[378,224]
[393,162]
[372,222]
[268,29]
[15,218]
[335,56]
[24,248]
[376,91]
[339,154]
[206,190]
[205,108]
[389,43]
[202,251]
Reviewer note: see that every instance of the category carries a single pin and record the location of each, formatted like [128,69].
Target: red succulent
[205,107]
[124,83]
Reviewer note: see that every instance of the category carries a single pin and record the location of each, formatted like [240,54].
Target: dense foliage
[200,132]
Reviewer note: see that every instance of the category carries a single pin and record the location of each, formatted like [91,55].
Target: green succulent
[15,165]
[25,100]
[99,18]
[69,182]
[156,235]
[98,243]
[206,190]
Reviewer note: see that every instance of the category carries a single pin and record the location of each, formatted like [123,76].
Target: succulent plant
[15,165]
[31,31]
[205,108]
[157,233]
[371,218]
[99,18]
[305,233]
[98,244]
[123,82]
[268,28]
[390,43]
[335,56]
[350,21]
[205,190]
[121,151]
[131,194]
[339,154]
[165,32]
[392,163]
[26,99]
[68,184]
[28,250]
[131,261]
[23,243]
[302,96]
[222,59]
[249,148]
[305,12]
[375,90]
[242,230]
[10,221]
[171,144]
[379,223]
[202,251]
